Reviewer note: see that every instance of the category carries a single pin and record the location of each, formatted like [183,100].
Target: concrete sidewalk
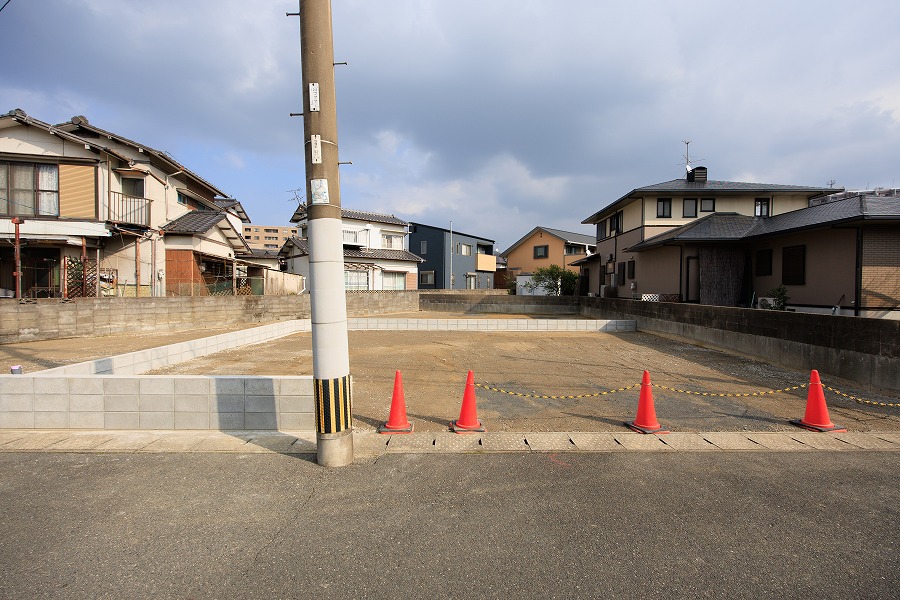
[368,444]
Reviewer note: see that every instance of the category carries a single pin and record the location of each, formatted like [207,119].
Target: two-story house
[542,247]
[452,260]
[712,272]
[375,251]
[95,213]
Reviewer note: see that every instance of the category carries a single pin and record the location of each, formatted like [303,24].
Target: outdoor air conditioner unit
[766,303]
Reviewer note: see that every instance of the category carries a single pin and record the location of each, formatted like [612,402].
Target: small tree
[554,280]
[780,297]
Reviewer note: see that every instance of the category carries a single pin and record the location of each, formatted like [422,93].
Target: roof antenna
[687,155]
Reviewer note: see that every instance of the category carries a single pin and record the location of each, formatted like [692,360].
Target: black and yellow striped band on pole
[332,404]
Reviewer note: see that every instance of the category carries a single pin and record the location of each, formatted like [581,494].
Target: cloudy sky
[497,115]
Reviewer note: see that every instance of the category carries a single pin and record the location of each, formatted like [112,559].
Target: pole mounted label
[319,188]
[314,97]
[315,146]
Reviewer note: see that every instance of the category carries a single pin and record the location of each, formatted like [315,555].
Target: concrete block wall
[863,350]
[157,402]
[388,323]
[499,302]
[46,319]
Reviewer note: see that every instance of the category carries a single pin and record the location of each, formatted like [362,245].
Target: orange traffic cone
[468,418]
[816,417]
[645,421]
[397,422]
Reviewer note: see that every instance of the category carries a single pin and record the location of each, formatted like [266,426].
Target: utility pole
[331,354]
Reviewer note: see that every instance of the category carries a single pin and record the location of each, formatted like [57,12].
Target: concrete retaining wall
[859,349]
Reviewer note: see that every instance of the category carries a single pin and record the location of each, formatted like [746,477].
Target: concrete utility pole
[331,354]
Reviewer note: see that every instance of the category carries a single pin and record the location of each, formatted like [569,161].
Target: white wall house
[376,255]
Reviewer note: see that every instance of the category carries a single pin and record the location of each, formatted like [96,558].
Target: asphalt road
[666,525]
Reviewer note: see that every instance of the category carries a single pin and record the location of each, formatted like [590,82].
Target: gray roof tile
[198,221]
[734,227]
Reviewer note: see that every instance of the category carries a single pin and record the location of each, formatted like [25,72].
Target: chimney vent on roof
[697,174]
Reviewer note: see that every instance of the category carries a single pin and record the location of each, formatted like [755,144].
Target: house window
[426,278]
[707,205]
[574,249]
[270,230]
[793,265]
[764,262]
[29,189]
[630,268]
[132,186]
[471,281]
[664,208]
[615,223]
[391,241]
[356,280]
[620,274]
[182,199]
[541,251]
[601,230]
[762,207]
[423,247]
[689,208]
[464,249]
[393,281]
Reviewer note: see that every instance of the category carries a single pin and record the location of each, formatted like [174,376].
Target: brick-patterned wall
[881,268]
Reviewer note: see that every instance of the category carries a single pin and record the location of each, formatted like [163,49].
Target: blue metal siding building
[472,258]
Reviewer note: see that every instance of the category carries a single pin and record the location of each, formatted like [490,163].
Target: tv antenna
[687,155]
[297,196]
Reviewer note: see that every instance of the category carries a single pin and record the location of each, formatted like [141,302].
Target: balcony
[356,237]
[128,209]
[485,262]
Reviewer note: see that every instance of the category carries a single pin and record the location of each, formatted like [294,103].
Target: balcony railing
[356,237]
[129,209]
[485,262]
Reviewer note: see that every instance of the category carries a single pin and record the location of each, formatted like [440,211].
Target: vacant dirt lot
[434,367]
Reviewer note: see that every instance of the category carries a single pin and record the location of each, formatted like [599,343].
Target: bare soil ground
[525,365]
